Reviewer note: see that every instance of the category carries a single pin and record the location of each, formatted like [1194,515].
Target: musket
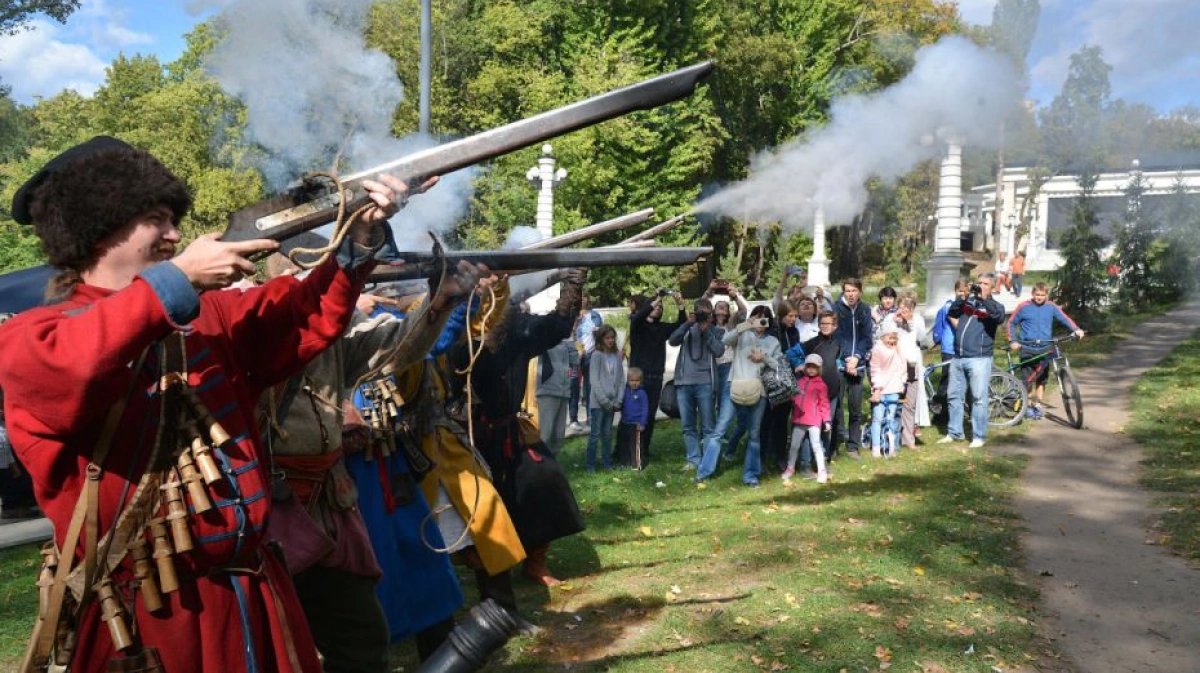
[312,203]
[651,233]
[592,230]
[429,264]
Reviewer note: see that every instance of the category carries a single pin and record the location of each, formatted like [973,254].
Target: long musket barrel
[592,230]
[427,265]
[313,204]
[652,232]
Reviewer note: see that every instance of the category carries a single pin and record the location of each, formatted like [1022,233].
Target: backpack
[779,383]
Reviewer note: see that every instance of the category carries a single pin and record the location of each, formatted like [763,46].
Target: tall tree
[1133,243]
[1073,125]
[1081,277]
[1014,25]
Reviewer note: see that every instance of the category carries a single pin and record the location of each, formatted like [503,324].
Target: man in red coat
[106,214]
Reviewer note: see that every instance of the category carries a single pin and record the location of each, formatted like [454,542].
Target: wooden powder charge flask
[143,569]
[194,482]
[113,614]
[168,580]
[177,514]
[217,436]
[45,580]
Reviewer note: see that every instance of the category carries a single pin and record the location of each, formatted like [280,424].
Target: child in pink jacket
[810,414]
[889,376]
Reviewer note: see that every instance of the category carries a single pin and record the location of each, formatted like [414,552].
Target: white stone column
[945,264]
[545,178]
[818,264]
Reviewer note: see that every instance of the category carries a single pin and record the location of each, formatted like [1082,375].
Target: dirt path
[1112,600]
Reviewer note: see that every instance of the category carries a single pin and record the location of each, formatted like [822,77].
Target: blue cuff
[175,291]
[352,255]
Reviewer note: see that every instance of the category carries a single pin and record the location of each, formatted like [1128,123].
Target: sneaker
[689,466]
[787,474]
[753,484]
[1038,414]
[975,444]
[948,439]
[822,477]
[876,453]
[808,475]
[853,453]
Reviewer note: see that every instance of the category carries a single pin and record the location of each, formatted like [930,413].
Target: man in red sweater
[138,340]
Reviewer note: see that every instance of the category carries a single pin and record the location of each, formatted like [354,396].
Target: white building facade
[1049,212]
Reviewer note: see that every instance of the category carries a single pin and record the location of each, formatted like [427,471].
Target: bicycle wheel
[1072,401]
[1007,400]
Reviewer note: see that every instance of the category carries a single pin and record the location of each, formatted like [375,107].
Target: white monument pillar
[818,264]
[545,178]
[945,264]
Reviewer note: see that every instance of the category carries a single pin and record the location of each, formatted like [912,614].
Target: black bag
[667,401]
[779,383]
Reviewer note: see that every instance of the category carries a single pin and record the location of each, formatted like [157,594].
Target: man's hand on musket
[457,285]
[212,264]
[389,194]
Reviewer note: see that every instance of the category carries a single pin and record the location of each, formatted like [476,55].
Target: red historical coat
[62,367]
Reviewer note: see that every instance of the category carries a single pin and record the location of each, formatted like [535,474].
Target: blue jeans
[695,404]
[600,430]
[974,372]
[713,440]
[885,419]
[751,417]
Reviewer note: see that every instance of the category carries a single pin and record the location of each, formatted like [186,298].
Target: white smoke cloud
[525,284]
[313,89]
[521,236]
[955,90]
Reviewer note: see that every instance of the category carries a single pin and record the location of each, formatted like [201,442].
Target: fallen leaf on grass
[882,653]
[742,621]
[919,571]
[647,531]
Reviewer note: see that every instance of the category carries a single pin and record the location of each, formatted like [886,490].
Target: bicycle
[1007,397]
[1056,359]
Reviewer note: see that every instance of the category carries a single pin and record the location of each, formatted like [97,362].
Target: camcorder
[662,292]
[703,316]
[720,285]
[976,290]
[760,322]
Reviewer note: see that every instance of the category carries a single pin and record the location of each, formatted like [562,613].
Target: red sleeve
[276,329]
[67,363]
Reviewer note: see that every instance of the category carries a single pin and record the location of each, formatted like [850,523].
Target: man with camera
[648,336]
[978,318]
[699,343]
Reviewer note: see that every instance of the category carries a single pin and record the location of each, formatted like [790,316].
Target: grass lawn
[906,563]
[1166,422]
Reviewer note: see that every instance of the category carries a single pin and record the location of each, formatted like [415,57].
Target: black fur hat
[91,190]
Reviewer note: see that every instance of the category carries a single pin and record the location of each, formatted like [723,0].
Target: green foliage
[1081,277]
[15,14]
[788,249]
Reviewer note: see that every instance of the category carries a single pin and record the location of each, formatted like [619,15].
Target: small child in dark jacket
[635,411]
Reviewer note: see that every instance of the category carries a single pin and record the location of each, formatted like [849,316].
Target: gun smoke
[314,91]
[955,91]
